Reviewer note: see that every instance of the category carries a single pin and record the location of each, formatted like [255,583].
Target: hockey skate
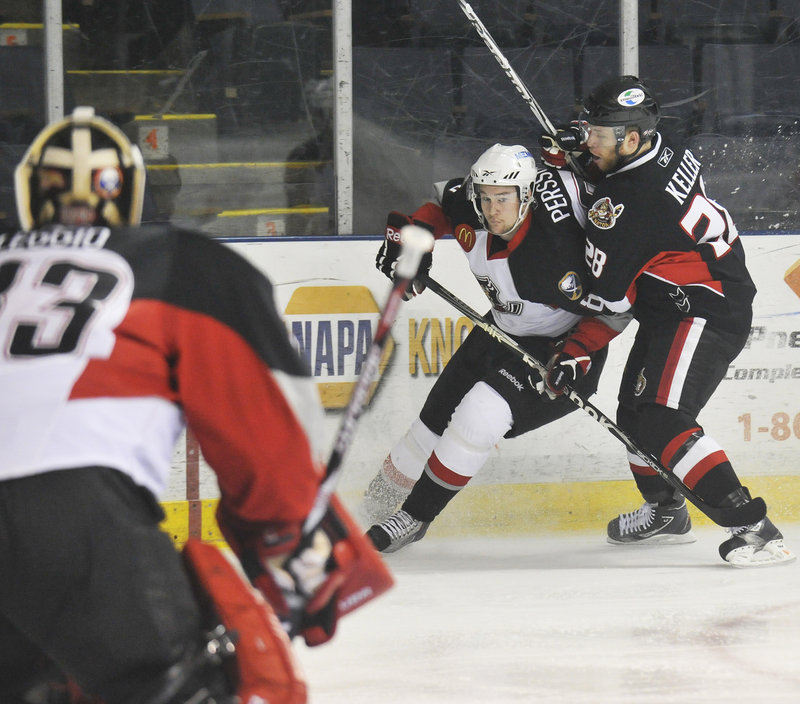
[758,545]
[397,531]
[381,500]
[653,524]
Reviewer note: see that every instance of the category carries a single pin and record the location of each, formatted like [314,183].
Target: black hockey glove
[566,140]
[389,253]
[566,367]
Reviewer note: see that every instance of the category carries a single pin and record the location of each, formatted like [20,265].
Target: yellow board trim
[526,509]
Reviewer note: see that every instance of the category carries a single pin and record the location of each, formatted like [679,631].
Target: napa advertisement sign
[330,294]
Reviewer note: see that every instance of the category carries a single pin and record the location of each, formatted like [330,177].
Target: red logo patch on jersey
[465,236]
[604,213]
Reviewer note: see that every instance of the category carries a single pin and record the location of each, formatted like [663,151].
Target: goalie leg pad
[265,668]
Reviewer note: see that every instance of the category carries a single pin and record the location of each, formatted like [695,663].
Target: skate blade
[772,554]
[665,539]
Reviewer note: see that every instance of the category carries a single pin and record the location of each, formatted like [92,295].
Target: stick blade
[744,515]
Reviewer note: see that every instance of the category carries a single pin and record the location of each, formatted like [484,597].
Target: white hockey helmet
[80,170]
[504,165]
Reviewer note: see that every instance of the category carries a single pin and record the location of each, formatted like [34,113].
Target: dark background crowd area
[246,91]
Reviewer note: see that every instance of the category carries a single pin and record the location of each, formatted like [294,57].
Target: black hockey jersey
[112,337]
[535,281]
[656,242]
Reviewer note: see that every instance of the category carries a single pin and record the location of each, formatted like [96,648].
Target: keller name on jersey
[682,181]
[56,236]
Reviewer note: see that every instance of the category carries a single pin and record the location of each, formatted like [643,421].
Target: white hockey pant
[479,422]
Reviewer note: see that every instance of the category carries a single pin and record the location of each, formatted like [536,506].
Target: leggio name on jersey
[682,181]
[57,236]
[550,194]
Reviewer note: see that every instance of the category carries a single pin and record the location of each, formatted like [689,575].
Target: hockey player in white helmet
[521,230]
[118,336]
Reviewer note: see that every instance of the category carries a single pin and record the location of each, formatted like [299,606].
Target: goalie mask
[81,170]
[620,103]
[503,165]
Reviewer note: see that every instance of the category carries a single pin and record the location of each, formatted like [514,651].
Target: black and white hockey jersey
[534,281]
[111,338]
[656,242]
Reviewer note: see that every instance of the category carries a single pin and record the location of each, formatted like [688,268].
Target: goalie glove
[329,573]
[391,249]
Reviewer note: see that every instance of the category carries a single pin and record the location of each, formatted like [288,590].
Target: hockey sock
[427,499]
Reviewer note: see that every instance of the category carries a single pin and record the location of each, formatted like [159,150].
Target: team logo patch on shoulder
[571,286]
[604,213]
[465,236]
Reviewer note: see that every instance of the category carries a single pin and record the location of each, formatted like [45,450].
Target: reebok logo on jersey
[604,213]
[570,285]
[665,157]
[465,236]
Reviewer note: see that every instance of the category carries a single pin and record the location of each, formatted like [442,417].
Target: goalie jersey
[111,337]
[535,281]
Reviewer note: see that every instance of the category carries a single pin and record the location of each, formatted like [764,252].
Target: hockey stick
[744,515]
[516,81]
[415,241]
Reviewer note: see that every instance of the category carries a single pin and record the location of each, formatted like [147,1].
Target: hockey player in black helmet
[658,245]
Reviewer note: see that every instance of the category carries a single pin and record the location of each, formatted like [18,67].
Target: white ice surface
[568,619]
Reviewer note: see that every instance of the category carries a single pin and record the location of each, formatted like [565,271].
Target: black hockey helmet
[622,102]
[80,170]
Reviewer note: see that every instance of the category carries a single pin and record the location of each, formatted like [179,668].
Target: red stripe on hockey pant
[673,359]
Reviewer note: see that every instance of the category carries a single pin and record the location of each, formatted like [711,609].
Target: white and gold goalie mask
[81,170]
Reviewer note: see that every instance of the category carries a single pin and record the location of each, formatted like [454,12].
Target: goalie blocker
[331,571]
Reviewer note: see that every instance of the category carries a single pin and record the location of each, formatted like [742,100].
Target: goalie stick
[415,241]
[516,81]
[728,517]
[364,575]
